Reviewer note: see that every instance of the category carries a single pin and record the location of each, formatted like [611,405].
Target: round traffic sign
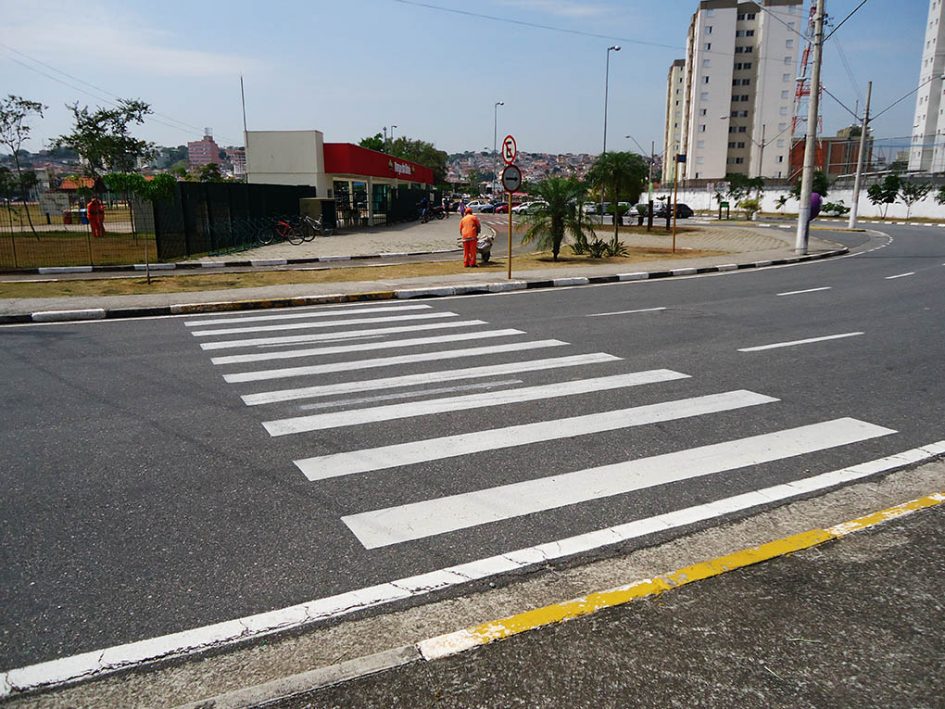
[511,178]
[509,150]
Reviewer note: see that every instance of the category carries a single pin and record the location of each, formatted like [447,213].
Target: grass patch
[181,283]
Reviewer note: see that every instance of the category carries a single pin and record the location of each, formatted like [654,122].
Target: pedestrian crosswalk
[396,358]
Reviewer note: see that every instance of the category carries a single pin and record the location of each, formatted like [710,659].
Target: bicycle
[315,228]
[281,229]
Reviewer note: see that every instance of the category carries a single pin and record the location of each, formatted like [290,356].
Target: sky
[433,68]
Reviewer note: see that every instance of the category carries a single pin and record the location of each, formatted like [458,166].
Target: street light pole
[392,136]
[859,158]
[761,156]
[807,178]
[495,137]
[615,48]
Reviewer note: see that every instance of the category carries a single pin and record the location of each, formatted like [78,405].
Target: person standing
[95,211]
[469,228]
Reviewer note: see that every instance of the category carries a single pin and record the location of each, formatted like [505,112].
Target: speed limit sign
[511,178]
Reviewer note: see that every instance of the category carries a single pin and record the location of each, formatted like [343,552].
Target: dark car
[487,209]
[661,209]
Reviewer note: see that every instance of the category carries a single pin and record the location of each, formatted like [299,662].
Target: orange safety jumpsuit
[469,228]
[95,211]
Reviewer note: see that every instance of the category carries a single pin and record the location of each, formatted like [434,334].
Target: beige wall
[287,158]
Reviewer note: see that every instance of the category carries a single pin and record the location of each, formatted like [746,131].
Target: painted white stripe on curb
[576,281]
[793,343]
[684,272]
[337,336]
[195,640]
[212,264]
[301,424]
[397,455]
[66,315]
[762,264]
[637,276]
[507,286]
[65,269]
[727,267]
[268,262]
[155,266]
[363,347]
[421,292]
[418,520]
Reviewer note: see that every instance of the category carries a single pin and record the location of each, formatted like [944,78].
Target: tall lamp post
[495,137]
[392,135]
[615,48]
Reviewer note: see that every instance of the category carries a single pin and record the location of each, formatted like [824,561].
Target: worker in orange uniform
[95,211]
[469,228]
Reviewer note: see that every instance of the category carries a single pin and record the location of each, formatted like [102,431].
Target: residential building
[737,85]
[927,153]
[203,152]
[237,158]
[835,155]
[672,138]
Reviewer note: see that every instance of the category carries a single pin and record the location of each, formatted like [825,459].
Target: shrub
[750,206]
[835,209]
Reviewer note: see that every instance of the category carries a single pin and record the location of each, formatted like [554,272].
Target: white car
[477,204]
[521,208]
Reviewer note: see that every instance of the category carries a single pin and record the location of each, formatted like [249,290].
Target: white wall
[287,158]
[928,208]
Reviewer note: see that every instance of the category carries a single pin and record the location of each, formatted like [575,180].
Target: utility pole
[761,156]
[495,129]
[385,138]
[859,158]
[810,147]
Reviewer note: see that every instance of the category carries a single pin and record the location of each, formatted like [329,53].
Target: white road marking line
[335,336]
[901,275]
[269,397]
[103,661]
[625,312]
[306,314]
[809,290]
[329,323]
[776,345]
[393,456]
[418,520]
[340,349]
[409,394]
[354,417]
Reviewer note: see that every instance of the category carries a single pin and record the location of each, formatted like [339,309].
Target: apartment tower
[737,90]
[928,133]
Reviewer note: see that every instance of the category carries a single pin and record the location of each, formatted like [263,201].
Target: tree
[423,153]
[912,192]
[884,193]
[741,186]
[102,137]
[374,142]
[940,195]
[618,175]
[15,112]
[562,215]
[819,184]
[210,173]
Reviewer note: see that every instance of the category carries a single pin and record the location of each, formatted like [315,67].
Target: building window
[748,65]
[700,143]
[739,50]
[783,111]
[733,114]
[782,126]
[785,77]
[704,96]
[784,95]
[788,60]
[749,33]
[705,79]
[743,114]
[741,144]
[702,127]
[749,50]
[789,44]
[731,145]
[702,111]
[746,82]
[706,63]
[739,161]
[707,46]
[742,129]
[708,29]
[780,158]
[732,129]
[780,142]
[744,97]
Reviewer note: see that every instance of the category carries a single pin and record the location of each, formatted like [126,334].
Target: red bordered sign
[509,150]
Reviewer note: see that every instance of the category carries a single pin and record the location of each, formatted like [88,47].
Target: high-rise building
[927,153]
[672,138]
[203,152]
[737,84]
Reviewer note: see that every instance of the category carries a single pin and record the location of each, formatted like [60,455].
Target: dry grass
[179,283]
[72,249]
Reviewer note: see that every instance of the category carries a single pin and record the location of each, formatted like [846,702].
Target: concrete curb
[472,637]
[244,263]
[406,293]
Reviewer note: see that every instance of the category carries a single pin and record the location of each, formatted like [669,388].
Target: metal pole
[495,135]
[675,197]
[615,48]
[243,96]
[860,158]
[392,136]
[510,235]
[810,147]
[761,157]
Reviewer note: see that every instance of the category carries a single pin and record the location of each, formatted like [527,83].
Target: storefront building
[361,182]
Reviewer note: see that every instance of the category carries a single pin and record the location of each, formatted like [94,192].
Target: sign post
[511,182]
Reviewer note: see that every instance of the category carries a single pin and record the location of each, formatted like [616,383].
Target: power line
[900,100]
[844,20]
[842,104]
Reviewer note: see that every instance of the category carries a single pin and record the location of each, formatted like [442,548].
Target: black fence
[213,218]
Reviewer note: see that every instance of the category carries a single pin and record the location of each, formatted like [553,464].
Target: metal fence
[57,232]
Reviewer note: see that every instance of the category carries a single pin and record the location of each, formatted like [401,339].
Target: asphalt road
[143,496]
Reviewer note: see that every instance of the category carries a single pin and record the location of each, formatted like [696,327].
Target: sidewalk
[742,246]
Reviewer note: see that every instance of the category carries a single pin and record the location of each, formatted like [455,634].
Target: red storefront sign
[348,159]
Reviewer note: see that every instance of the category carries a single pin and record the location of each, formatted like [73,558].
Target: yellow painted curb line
[485,633]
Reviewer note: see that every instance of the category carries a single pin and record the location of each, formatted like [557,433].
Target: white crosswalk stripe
[412,393]
[306,314]
[394,456]
[336,336]
[300,424]
[353,365]
[417,520]
[364,346]
[329,323]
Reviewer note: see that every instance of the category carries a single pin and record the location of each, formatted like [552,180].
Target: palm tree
[618,175]
[561,214]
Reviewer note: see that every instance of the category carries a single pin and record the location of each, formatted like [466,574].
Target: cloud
[110,38]
[562,8]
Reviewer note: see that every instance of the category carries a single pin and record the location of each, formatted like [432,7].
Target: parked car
[502,208]
[661,209]
[477,205]
[521,208]
[534,207]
